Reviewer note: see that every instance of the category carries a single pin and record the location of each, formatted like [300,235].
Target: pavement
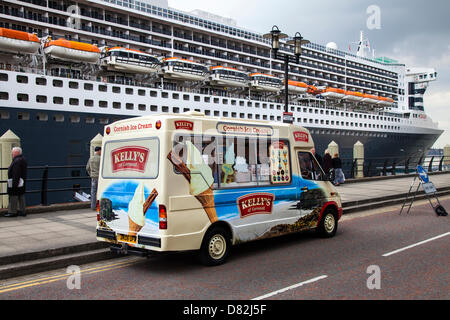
[52,239]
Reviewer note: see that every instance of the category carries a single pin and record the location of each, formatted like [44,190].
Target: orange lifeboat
[130,60]
[297,86]
[313,90]
[333,93]
[353,96]
[183,69]
[265,82]
[63,49]
[228,77]
[383,101]
[18,41]
[370,99]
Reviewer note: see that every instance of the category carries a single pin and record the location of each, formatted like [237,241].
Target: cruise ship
[68,68]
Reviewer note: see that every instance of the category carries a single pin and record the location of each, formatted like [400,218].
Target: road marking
[64,276]
[290,287]
[415,245]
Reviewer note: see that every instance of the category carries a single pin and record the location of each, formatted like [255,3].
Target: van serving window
[240,161]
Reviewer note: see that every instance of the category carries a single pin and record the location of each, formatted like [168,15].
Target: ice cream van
[178,182]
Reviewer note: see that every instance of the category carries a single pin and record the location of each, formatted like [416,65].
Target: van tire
[215,247]
[328,224]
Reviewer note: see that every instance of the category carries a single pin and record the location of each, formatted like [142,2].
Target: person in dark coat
[17,176]
[318,157]
[327,163]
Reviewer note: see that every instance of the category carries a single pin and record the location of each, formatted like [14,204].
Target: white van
[178,182]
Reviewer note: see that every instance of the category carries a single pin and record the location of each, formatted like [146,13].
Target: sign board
[429,187]
[288,117]
[423,174]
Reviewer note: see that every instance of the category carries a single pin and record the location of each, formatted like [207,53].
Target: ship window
[103,120]
[242,115]
[57,83]
[128,90]
[88,86]
[116,105]
[102,88]
[58,100]
[225,113]
[74,101]
[41,81]
[116,89]
[175,96]
[206,99]
[216,113]
[129,106]
[241,103]
[250,116]
[74,119]
[3,77]
[165,95]
[90,120]
[4,115]
[73,85]
[141,107]
[41,99]
[42,116]
[233,114]
[272,118]
[207,112]
[22,79]
[153,93]
[22,97]
[58,118]
[23,116]
[87,102]
[141,92]
[4,96]
[154,108]
[103,104]
[165,109]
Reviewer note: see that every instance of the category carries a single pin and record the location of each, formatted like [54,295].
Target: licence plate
[126,238]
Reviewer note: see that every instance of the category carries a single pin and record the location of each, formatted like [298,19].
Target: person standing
[327,163]
[93,168]
[17,176]
[338,173]
[318,157]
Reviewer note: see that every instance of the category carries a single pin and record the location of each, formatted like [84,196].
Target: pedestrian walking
[17,176]
[339,177]
[93,168]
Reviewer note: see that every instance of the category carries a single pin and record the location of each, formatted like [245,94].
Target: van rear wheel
[215,247]
[328,224]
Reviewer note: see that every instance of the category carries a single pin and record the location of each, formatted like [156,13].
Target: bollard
[358,157]
[333,148]
[7,141]
[95,142]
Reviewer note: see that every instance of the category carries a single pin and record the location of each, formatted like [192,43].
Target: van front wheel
[328,224]
[215,247]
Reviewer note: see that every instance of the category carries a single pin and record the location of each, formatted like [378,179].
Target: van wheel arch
[321,228]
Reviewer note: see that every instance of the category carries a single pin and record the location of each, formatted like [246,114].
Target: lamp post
[276,35]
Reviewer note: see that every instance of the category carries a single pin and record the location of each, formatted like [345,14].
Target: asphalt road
[397,256]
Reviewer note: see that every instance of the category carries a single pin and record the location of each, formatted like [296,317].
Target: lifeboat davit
[228,77]
[67,50]
[183,69]
[297,87]
[18,41]
[313,90]
[383,101]
[333,93]
[354,96]
[265,82]
[370,99]
[130,60]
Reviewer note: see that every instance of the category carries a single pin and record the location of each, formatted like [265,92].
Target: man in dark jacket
[17,176]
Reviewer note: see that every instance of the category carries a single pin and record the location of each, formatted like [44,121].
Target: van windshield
[136,159]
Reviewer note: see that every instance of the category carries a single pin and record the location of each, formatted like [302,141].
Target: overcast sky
[414,32]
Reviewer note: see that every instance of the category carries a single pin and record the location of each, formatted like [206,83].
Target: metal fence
[54,184]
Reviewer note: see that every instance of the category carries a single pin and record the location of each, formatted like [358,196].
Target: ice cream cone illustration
[137,208]
[200,178]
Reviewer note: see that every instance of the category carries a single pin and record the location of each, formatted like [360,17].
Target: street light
[275,35]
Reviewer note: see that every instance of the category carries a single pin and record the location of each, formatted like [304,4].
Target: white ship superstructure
[153,58]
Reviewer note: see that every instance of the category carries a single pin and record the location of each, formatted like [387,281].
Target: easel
[430,191]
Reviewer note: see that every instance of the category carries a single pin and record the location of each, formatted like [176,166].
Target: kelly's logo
[184,125]
[255,203]
[129,159]
[301,136]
